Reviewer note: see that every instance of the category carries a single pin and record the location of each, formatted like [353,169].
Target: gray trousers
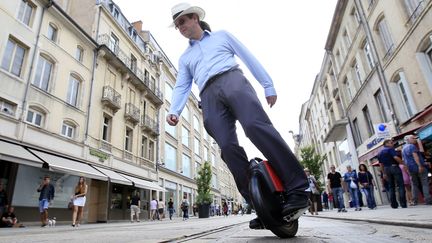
[230,98]
[418,179]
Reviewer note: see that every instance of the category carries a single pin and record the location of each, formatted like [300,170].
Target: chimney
[137,26]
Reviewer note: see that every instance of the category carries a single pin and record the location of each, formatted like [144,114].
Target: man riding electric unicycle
[226,97]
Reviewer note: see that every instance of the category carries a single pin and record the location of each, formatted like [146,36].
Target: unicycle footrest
[295,215]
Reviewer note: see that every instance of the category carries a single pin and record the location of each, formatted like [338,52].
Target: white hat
[185,8]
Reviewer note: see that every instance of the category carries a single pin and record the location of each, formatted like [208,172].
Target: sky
[287,37]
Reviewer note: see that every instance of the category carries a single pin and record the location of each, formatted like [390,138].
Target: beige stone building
[376,74]
[83,95]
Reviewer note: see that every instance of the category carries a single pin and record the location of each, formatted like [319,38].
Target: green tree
[204,184]
[312,161]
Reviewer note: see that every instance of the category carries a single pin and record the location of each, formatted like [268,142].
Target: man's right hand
[421,169]
[172,119]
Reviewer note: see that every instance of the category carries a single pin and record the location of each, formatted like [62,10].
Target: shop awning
[425,132]
[144,184]
[370,154]
[114,176]
[18,154]
[69,166]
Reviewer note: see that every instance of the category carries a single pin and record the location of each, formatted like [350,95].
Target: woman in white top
[315,195]
[79,199]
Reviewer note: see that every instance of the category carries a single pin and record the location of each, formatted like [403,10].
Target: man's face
[332,168]
[185,25]
[11,209]
[349,168]
[47,181]
[412,140]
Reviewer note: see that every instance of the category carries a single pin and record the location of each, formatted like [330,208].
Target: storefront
[171,193]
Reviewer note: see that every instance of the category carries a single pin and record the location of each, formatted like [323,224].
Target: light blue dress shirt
[213,54]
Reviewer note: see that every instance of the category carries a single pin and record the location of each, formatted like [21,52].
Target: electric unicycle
[267,197]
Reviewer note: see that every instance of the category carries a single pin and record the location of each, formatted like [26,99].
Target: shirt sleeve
[252,63]
[392,152]
[181,89]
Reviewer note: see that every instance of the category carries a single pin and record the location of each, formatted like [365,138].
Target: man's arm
[181,89]
[417,160]
[252,63]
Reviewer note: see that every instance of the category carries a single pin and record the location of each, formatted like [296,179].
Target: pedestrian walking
[135,207]
[153,209]
[79,200]
[407,184]
[170,208]
[185,208]
[366,184]
[417,169]
[389,163]
[226,97]
[47,191]
[314,193]
[334,183]
[325,200]
[161,206]
[351,180]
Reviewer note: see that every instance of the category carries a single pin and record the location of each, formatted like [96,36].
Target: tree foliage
[311,160]
[204,184]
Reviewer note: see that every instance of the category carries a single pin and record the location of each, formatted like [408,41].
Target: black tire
[262,201]
[286,231]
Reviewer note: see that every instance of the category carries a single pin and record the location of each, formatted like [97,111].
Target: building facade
[85,94]
[375,74]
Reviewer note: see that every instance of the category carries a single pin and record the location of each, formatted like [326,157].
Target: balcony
[105,145]
[127,155]
[337,131]
[121,61]
[111,98]
[132,113]
[149,124]
[147,163]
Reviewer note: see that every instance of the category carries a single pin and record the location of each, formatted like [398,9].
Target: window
[414,8]
[43,73]
[133,63]
[185,136]
[52,32]
[348,90]
[386,38]
[13,58]
[106,130]
[68,130]
[197,167]
[357,72]
[25,12]
[213,160]
[346,39]
[404,95]
[368,53]
[214,180]
[205,156]
[379,100]
[114,43]
[7,107]
[185,113]
[35,117]
[168,92]
[196,124]
[144,148]
[170,157]
[368,120]
[186,165]
[357,134]
[151,150]
[79,53]
[356,15]
[73,90]
[197,146]
[128,139]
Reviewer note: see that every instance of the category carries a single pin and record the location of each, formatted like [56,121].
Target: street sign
[382,130]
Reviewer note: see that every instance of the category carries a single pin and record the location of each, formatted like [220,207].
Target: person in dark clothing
[389,163]
[135,206]
[45,199]
[325,200]
[365,180]
[4,202]
[170,208]
[8,219]
[334,183]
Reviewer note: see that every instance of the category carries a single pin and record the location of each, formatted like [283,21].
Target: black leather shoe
[295,206]
[256,224]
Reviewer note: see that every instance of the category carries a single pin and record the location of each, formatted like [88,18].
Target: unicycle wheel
[288,230]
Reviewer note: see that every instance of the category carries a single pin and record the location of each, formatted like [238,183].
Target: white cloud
[288,38]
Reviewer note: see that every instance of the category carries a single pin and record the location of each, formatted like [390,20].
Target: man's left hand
[271,100]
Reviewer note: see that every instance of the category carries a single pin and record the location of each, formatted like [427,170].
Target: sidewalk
[419,216]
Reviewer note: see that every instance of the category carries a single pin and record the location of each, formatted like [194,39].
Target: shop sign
[382,130]
[101,155]
[374,142]
[425,132]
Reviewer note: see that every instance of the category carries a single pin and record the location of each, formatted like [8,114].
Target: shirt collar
[205,33]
